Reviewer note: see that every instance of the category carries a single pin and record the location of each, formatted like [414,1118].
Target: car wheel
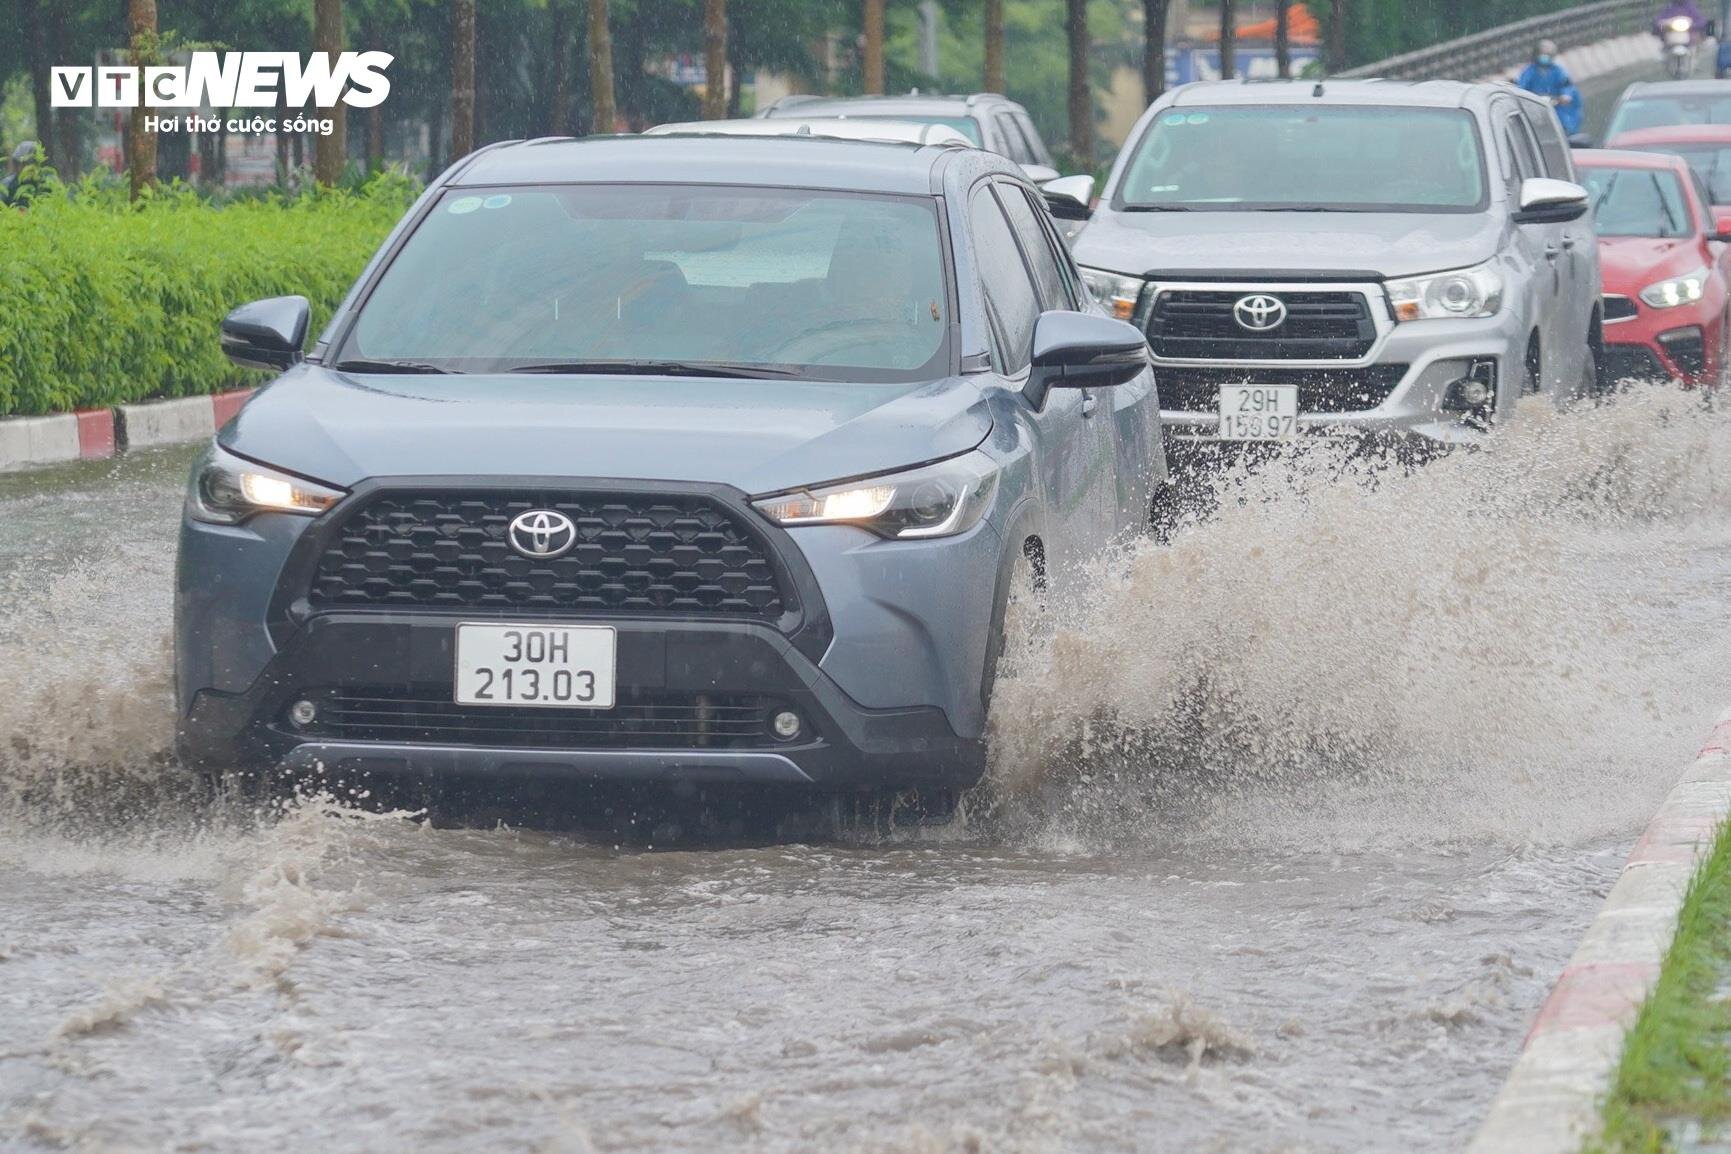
[1592,372]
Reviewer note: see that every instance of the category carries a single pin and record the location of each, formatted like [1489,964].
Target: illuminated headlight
[931,501]
[1680,24]
[1118,293]
[1679,290]
[226,490]
[1467,292]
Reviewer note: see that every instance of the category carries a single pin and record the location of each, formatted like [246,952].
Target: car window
[1321,157]
[1663,111]
[1553,149]
[1711,162]
[1010,137]
[966,125]
[1004,278]
[831,286]
[1036,146]
[1526,152]
[1048,276]
[1638,202]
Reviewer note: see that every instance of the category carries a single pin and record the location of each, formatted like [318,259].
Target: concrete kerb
[27,442]
[1550,1103]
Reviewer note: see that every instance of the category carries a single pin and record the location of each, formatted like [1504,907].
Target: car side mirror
[1068,197]
[1040,173]
[1721,227]
[1581,140]
[1082,351]
[1546,201]
[267,334]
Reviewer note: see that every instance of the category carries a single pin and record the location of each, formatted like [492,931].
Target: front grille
[1619,308]
[1632,362]
[1197,390]
[640,720]
[1195,324]
[646,553]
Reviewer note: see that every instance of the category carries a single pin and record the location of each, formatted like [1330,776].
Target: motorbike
[1678,40]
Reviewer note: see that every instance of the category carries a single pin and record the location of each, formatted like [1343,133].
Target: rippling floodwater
[1291,825]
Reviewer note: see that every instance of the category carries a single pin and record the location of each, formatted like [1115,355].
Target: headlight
[1467,292]
[1679,290]
[932,501]
[1680,23]
[1118,293]
[226,490]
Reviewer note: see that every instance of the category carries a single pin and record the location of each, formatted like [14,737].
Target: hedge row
[103,302]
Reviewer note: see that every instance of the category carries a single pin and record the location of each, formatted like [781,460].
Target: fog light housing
[1687,348]
[786,724]
[303,713]
[1474,395]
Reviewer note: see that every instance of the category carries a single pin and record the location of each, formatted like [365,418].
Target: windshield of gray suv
[1306,157]
[722,280]
[1638,202]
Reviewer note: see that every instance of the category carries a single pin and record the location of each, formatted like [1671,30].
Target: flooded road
[1292,824]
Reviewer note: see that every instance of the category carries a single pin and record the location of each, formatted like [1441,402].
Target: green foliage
[1676,1064]
[1378,29]
[102,302]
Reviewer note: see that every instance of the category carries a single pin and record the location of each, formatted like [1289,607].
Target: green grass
[1676,1062]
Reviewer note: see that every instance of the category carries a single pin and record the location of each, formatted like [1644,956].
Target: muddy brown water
[1291,825]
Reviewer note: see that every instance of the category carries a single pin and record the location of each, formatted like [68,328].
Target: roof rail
[976,97]
[547,140]
[792,98]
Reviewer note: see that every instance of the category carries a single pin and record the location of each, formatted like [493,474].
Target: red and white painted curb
[97,433]
[1550,1103]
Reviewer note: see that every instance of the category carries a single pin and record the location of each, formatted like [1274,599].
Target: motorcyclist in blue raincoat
[1548,78]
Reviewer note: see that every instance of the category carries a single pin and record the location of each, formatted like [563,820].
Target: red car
[1666,267]
[1707,148]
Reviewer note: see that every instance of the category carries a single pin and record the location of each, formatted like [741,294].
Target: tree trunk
[69,161]
[559,115]
[141,145]
[736,70]
[1154,14]
[601,68]
[462,77]
[1337,36]
[714,59]
[331,152]
[1228,40]
[40,53]
[994,78]
[872,51]
[1081,90]
[1283,39]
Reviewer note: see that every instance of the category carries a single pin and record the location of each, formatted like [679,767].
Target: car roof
[1414,93]
[1677,88]
[792,161]
[833,128]
[1673,134]
[1628,158]
[917,104]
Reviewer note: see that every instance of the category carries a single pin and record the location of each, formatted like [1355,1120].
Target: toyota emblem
[1259,312]
[542,534]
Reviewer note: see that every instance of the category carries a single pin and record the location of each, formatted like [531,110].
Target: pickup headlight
[1679,290]
[1466,292]
[1117,292]
[931,501]
[226,490]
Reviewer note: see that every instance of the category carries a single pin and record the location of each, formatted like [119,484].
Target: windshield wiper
[1304,208]
[660,369]
[1158,208]
[366,366]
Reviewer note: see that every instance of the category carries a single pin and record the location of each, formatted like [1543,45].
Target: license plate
[560,666]
[1258,412]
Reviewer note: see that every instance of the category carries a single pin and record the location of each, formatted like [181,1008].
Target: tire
[1533,381]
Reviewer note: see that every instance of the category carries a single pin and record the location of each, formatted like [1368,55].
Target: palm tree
[994,78]
[462,77]
[872,55]
[331,150]
[1228,40]
[715,59]
[141,145]
[1154,48]
[1081,91]
[601,67]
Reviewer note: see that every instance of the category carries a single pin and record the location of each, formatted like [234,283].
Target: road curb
[29,442]
[1550,1103]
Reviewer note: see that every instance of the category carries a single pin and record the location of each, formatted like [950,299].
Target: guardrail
[1498,49]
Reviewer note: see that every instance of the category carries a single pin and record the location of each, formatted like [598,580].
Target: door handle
[1088,403]
[1569,242]
[1551,251]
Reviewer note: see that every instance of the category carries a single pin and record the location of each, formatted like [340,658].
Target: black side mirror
[267,334]
[1082,351]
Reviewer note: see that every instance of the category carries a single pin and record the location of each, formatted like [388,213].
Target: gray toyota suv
[1349,257]
[666,459]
